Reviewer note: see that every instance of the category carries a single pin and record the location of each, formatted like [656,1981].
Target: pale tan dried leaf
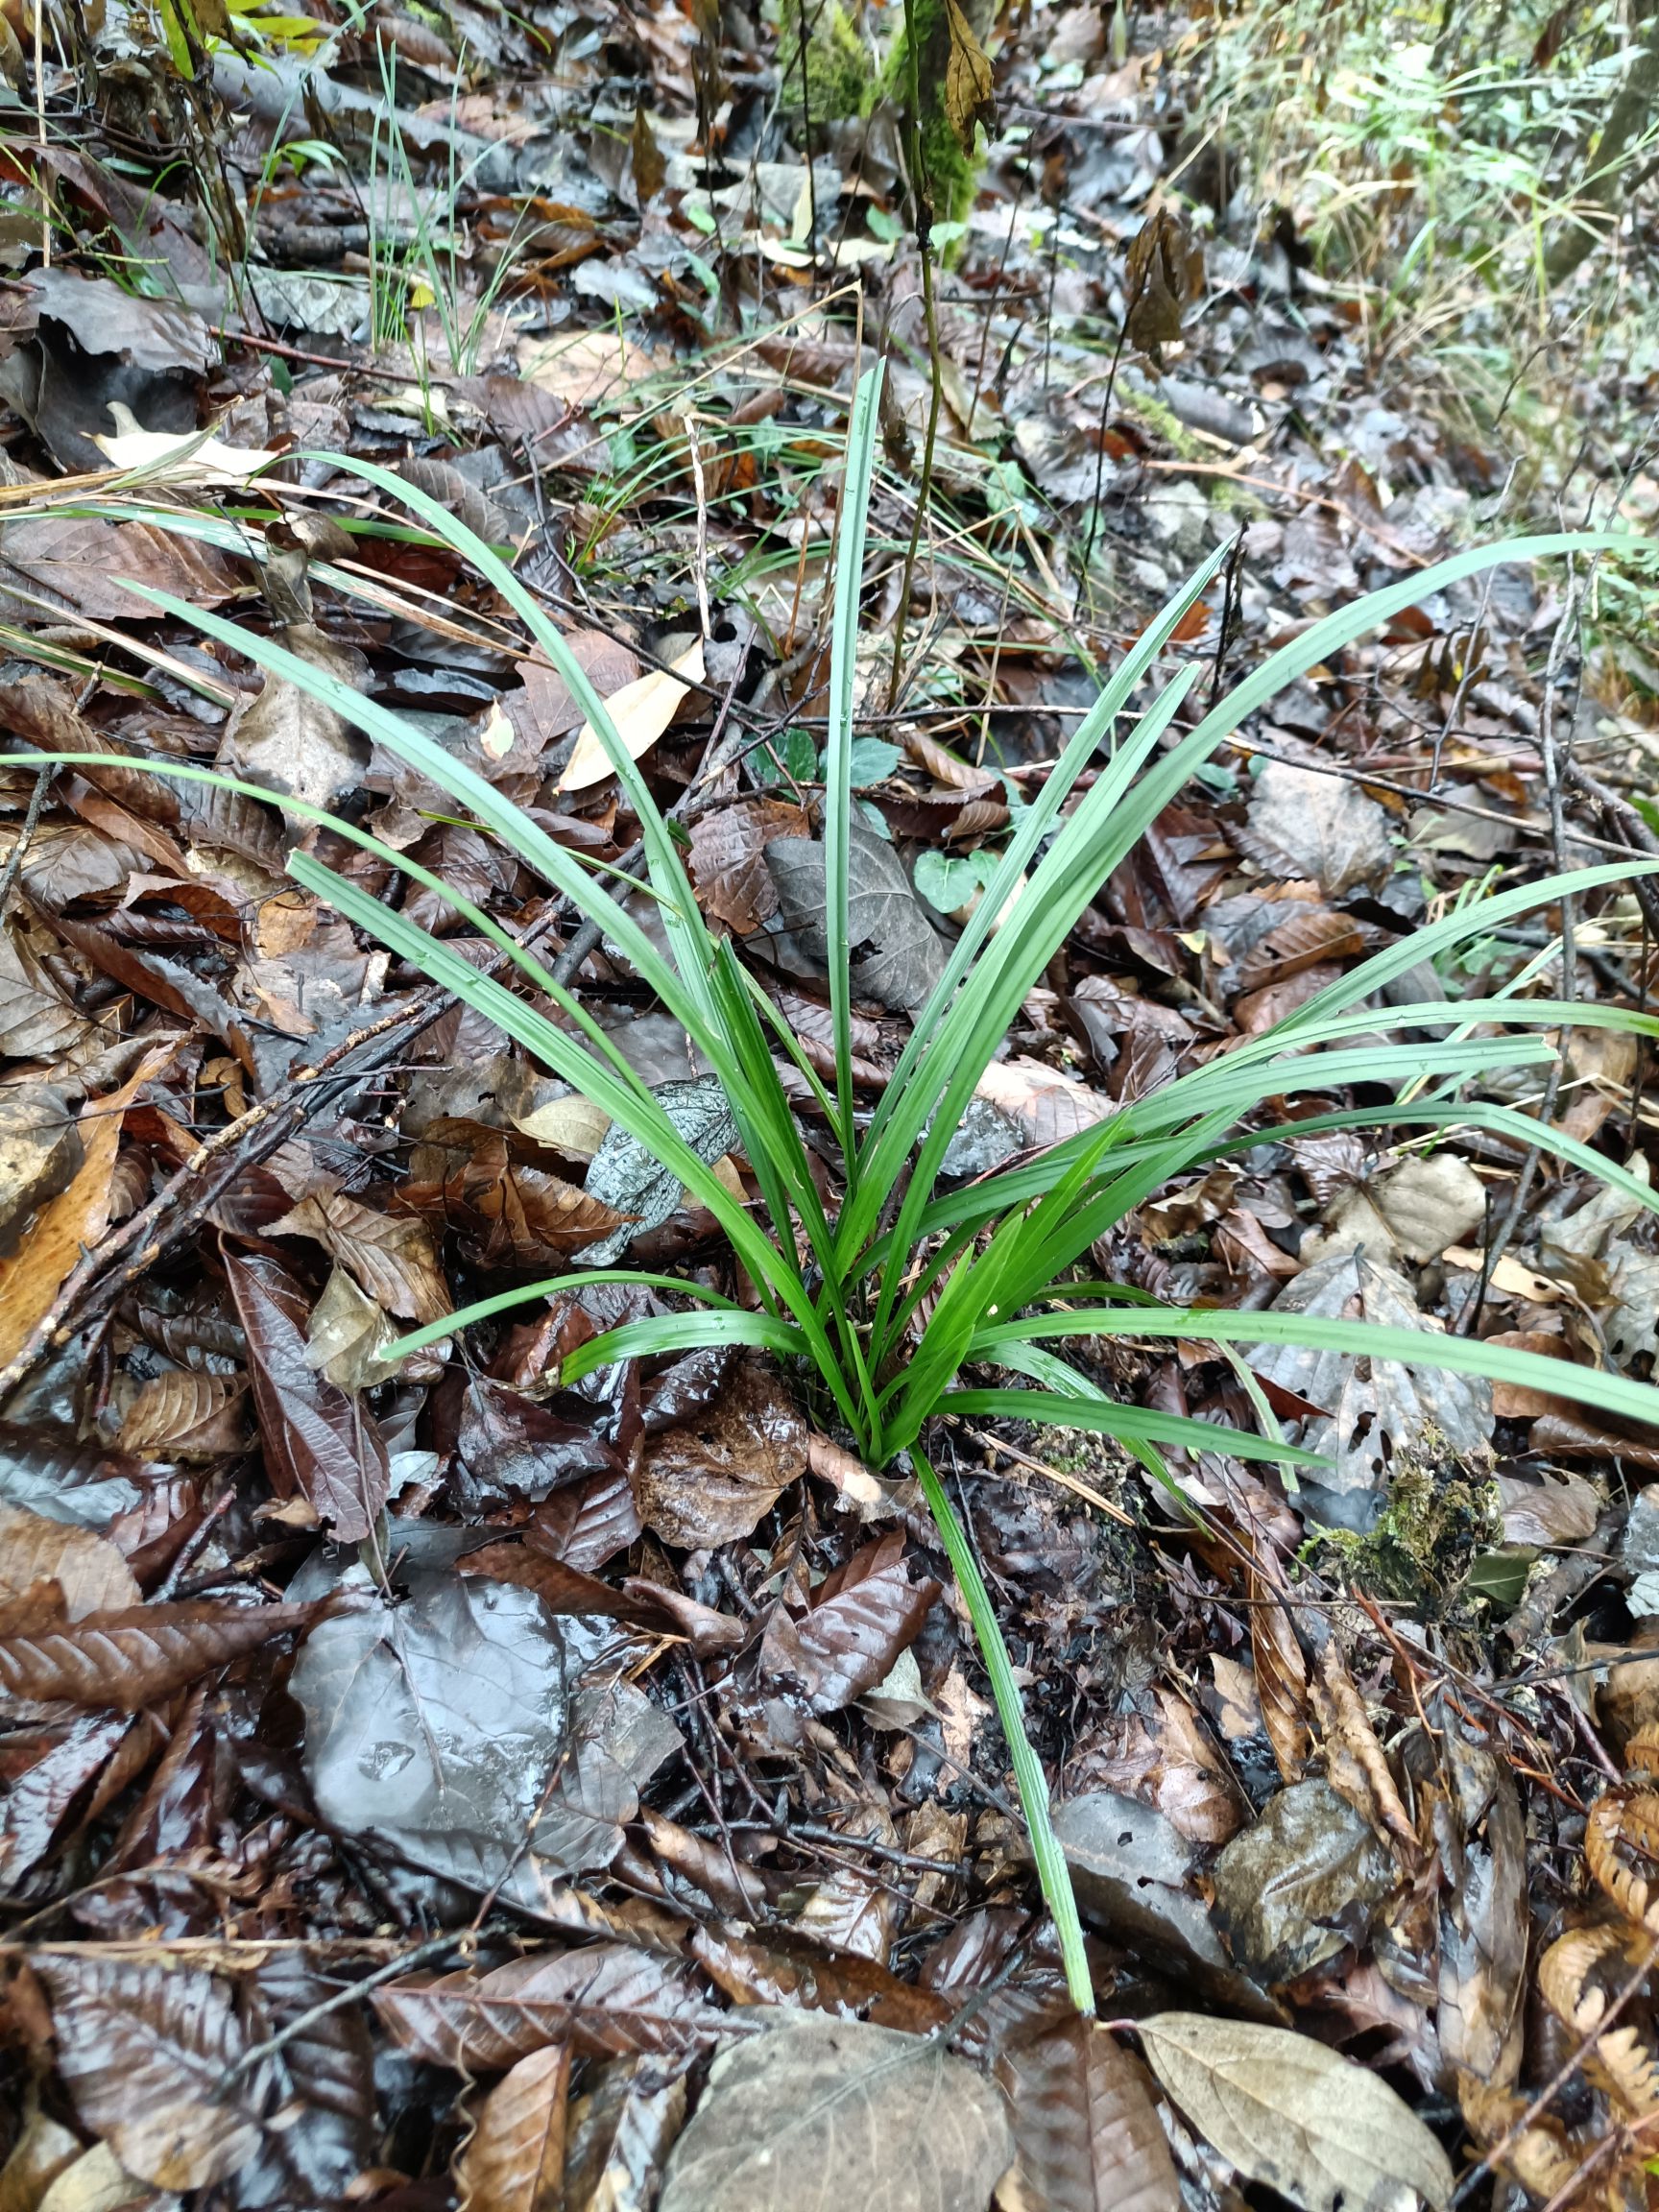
[1288,2112]
[840,2101]
[40,2153]
[75,1219]
[88,1570]
[184,1415]
[641,712]
[968,78]
[1430,1203]
[1281,1677]
[572,1125]
[97,2182]
[1357,1764]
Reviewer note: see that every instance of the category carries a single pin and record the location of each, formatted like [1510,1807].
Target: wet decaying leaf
[714,1477]
[860,1619]
[392,1258]
[1288,2112]
[897,956]
[146,2052]
[318,1442]
[840,2101]
[129,1658]
[1086,2134]
[1288,1888]
[457,1730]
[608,2000]
[515,2159]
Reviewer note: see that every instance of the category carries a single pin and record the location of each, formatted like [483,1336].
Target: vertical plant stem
[921,200]
[40,131]
[1052,1871]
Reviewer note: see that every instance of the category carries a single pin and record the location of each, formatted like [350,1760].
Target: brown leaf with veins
[968,80]
[391,1256]
[1162,274]
[863,1616]
[75,1219]
[147,2052]
[851,1987]
[129,1658]
[608,2000]
[712,1478]
[87,1569]
[1086,2133]
[506,1215]
[1281,1676]
[515,2159]
[184,1415]
[318,1441]
[728,860]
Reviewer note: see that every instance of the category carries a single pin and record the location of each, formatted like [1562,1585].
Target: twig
[25,835]
[922,201]
[1553,782]
[433,1948]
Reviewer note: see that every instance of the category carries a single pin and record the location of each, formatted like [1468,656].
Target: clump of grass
[891,1302]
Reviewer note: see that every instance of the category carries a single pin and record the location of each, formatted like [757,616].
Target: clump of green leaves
[899,1300]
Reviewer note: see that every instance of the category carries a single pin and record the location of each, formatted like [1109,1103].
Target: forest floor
[414,1771]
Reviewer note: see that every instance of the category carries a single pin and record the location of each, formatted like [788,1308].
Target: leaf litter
[426,1783]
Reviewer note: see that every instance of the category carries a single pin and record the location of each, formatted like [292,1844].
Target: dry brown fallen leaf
[72,1221]
[640,711]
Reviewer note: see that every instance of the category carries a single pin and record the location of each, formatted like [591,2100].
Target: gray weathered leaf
[881,2120]
[625,1176]
[1289,2111]
[457,1729]
[1327,827]
[1291,1889]
[1430,1203]
[1374,1404]
[291,742]
[898,958]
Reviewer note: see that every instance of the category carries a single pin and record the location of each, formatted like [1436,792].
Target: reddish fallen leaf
[608,2000]
[1086,2131]
[505,1212]
[147,2053]
[130,1658]
[850,1987]
[318,1442]
[564,1589]
[863,1616]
